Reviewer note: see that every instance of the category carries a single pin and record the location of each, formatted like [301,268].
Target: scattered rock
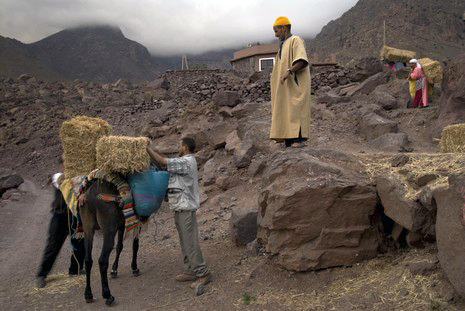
[372,126]
[422,268]
[400,160]
[390,142]
[243,154]
[243,225]
[226,98]
[406,212]
[424,179]
[9,179]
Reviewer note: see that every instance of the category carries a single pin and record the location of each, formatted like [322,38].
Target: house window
[265,63]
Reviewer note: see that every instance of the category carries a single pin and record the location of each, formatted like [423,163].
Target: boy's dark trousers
[58,231]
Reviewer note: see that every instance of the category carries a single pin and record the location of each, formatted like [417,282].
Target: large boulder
[314,215]
[452,98]
[450,230]
[404,210]
[9,179]
[373,125]
[243,225]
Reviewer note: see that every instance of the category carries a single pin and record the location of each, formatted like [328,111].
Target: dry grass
[419,164]
[432,70]
[453,138]
[122,154]
[60,283]
[79,137]
[398,55]
[377,285]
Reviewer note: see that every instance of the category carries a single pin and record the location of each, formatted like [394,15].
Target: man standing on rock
[290,88]
[184,200]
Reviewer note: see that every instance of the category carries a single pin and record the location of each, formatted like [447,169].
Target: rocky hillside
[431,28]
[369,181]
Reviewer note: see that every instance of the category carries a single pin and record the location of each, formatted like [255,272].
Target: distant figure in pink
[421,89]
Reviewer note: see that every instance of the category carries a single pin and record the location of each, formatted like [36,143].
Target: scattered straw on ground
[57,284]
[79,137]
[420,164]
[122,154]
[453,138]
[379,285]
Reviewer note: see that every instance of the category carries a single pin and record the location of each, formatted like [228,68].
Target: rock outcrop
[450,230]
[452,98]
[315,215]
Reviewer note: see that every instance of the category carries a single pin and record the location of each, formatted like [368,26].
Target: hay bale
[122,154]
[453,139]
[79,137]
[396,55]
[432,70]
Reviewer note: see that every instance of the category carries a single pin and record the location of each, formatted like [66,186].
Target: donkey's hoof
[109,301]
[136,272]
[88,295]
[114,274]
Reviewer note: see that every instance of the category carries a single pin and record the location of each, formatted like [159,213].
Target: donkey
[109,217]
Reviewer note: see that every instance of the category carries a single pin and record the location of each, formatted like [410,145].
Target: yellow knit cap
[282,21]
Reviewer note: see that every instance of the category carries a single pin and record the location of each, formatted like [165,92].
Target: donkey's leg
[108,242]
[88,222]
[119,248]
[135,249]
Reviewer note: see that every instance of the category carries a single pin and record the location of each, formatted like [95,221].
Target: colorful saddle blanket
[73,187]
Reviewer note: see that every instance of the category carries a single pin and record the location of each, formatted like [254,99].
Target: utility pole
[184,65]
[384,32]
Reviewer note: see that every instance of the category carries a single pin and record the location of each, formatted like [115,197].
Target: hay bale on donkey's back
[79,137]
[453,139]
[122,154]
[396,55]
[432,70]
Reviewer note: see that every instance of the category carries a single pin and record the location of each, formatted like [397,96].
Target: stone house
[255,58]
[262,56]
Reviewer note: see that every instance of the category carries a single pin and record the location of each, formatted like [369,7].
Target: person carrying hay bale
[184,200]
[421,84]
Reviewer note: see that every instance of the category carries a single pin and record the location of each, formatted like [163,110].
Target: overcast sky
[171,26]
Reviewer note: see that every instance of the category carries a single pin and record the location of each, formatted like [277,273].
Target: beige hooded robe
[290,102]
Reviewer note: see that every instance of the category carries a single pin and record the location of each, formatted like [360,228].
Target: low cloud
[171,27]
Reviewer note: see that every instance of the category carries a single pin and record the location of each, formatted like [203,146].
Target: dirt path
[240,282]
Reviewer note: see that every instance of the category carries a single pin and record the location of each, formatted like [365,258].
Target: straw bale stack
[432,70]
[122,154]
[396,55]
[79,137]
[453,138]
